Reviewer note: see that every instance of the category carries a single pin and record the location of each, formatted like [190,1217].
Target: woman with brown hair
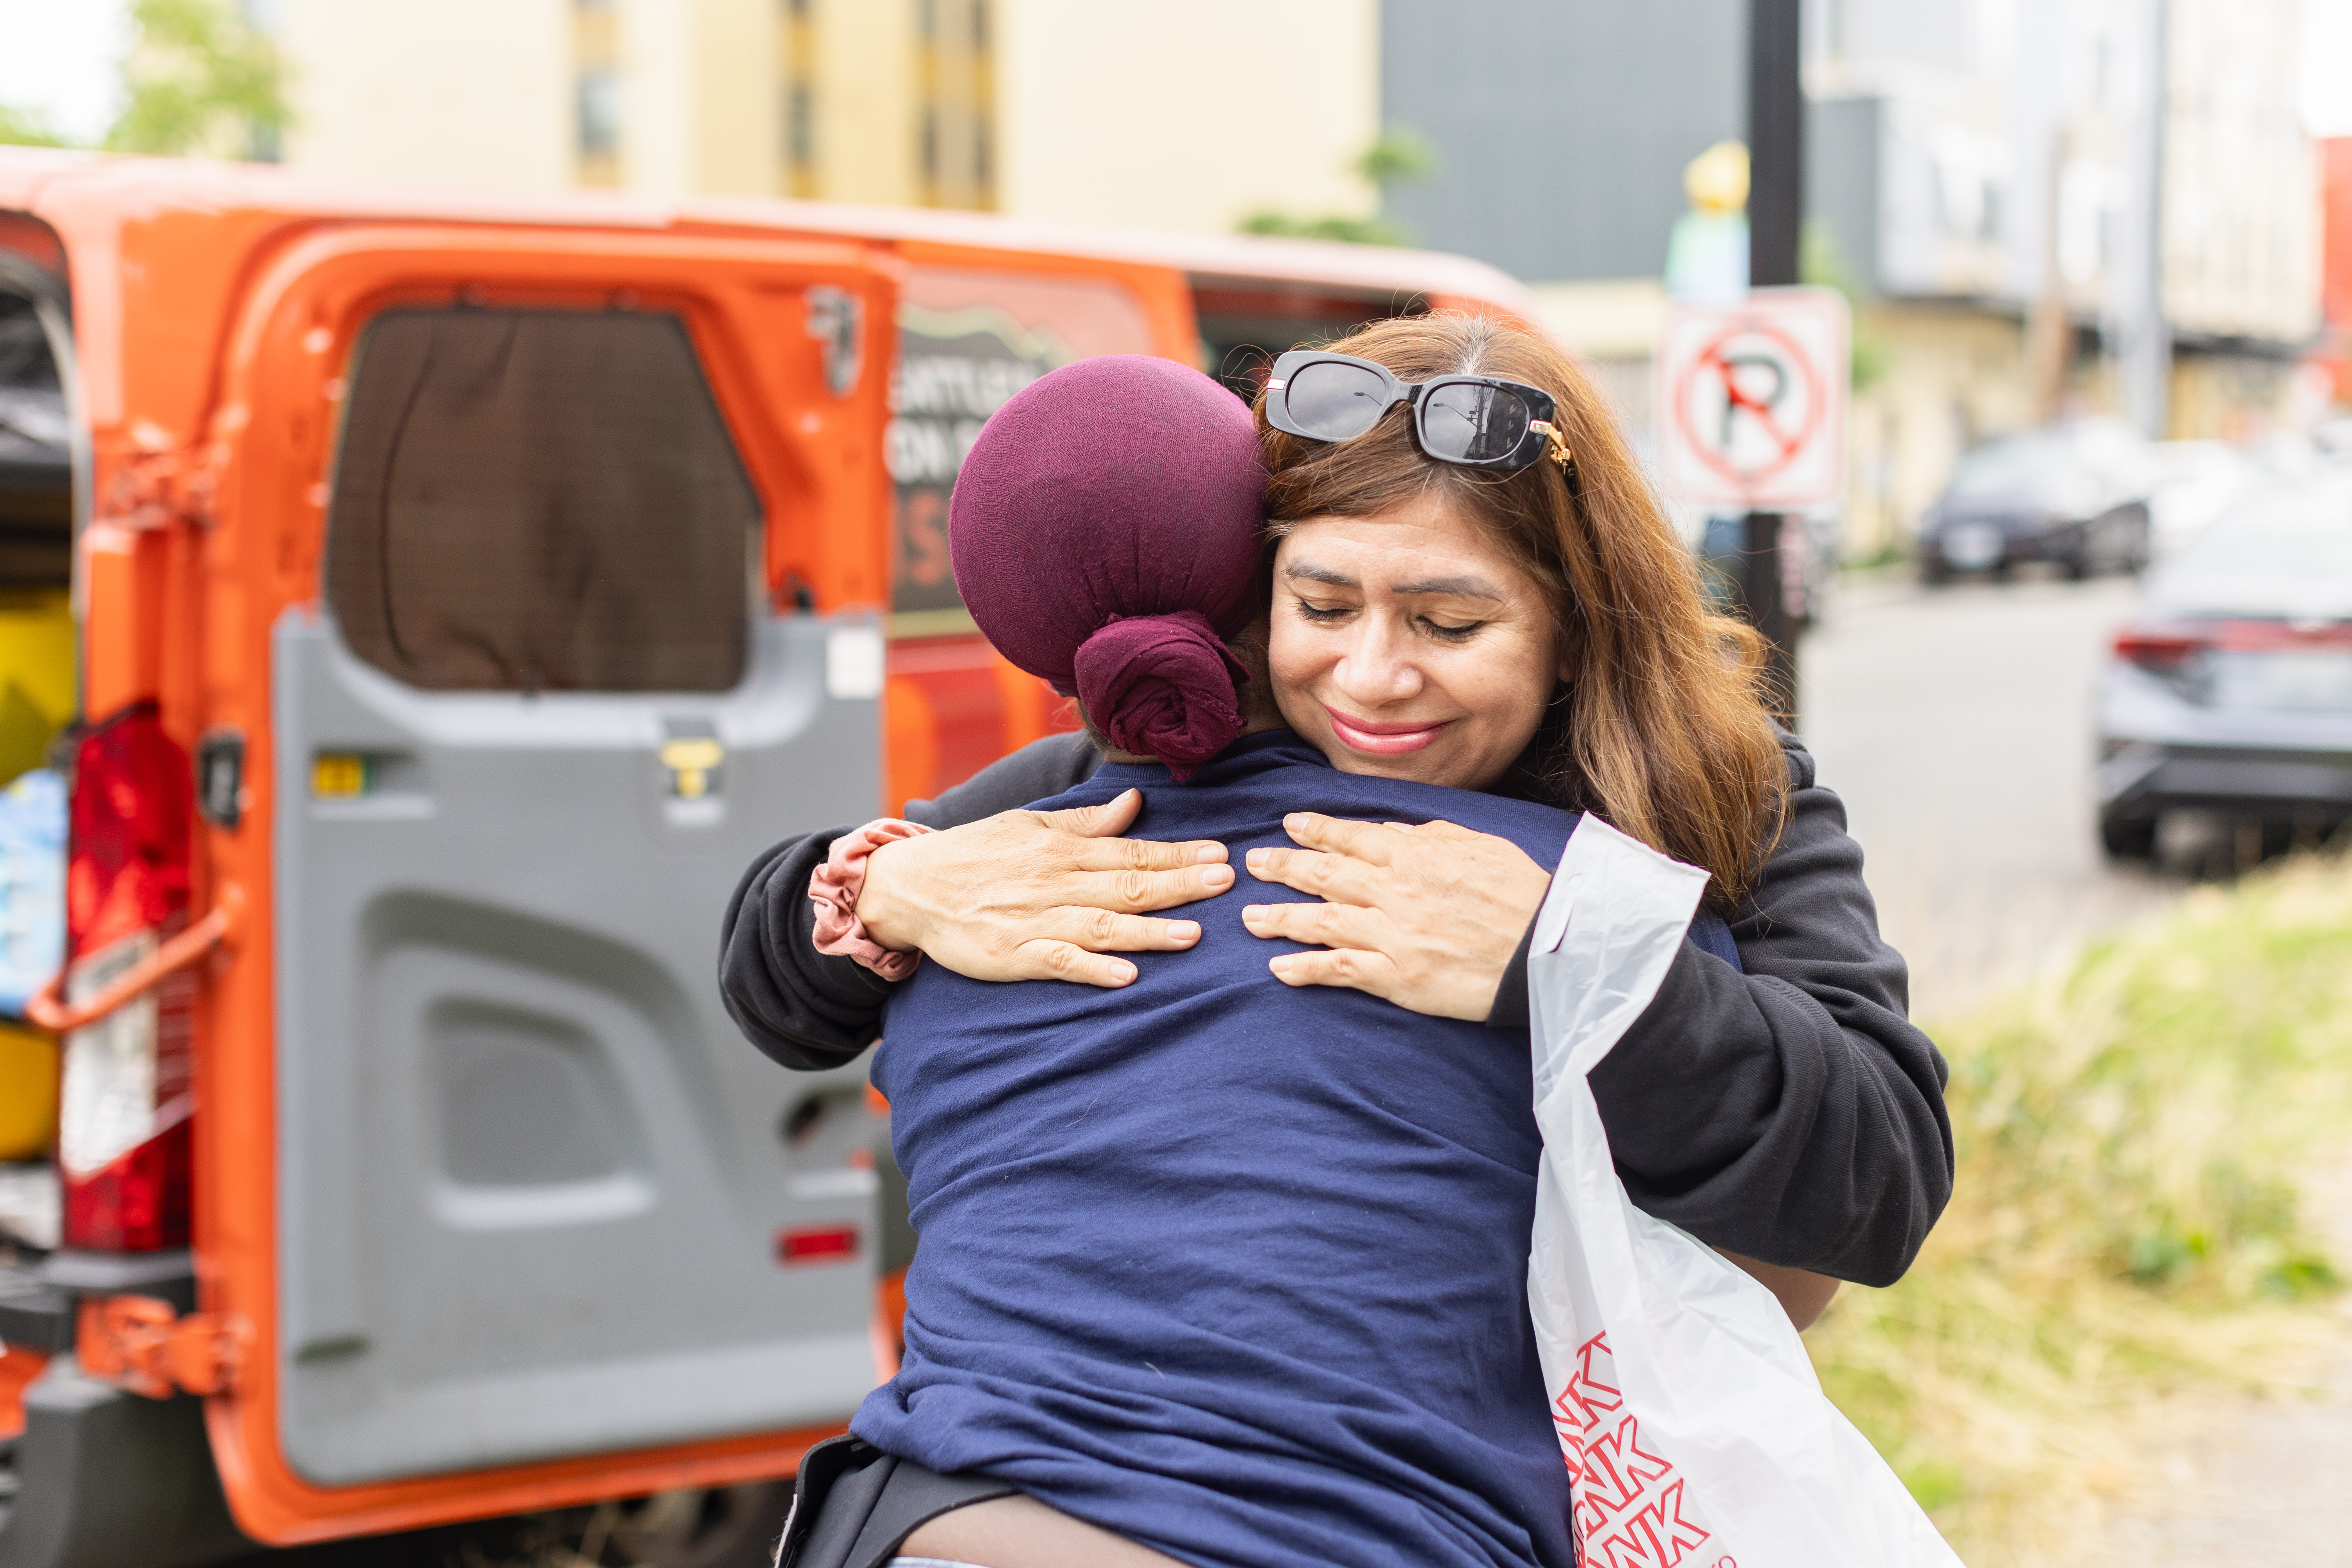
[1782,1108]
[1219,1271]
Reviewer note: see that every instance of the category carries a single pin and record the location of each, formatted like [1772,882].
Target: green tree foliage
[1398,155]
[199,79]
[20,128]
[1351,230]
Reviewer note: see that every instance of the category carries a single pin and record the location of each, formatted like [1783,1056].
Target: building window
[600,114]
[596,93]
[800,125]
[955,91]
[799,69]
[539,500]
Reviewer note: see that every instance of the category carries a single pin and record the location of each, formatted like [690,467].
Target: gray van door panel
[533,1185]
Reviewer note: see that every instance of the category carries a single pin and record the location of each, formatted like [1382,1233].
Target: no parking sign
[1751,400]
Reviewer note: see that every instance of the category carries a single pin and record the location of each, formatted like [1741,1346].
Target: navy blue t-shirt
[1235,1270]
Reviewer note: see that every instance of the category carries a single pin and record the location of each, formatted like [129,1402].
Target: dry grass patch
[2129,1219]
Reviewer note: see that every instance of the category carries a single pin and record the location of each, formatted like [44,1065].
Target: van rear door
[563,555]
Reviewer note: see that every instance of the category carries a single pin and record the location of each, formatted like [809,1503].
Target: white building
[2135,169]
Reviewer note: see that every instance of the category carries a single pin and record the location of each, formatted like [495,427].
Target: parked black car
[2074,494]
[2231,691]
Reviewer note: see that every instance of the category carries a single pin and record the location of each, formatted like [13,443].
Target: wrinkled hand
[1425,917]
[1039,895]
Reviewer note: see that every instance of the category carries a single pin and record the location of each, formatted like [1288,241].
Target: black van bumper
[103,1478]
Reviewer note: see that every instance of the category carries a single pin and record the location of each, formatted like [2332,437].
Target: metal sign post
[1775,210]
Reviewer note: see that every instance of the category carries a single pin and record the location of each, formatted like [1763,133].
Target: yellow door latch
[340,776]
[691,761]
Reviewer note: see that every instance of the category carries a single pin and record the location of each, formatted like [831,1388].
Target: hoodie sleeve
[1791,1113]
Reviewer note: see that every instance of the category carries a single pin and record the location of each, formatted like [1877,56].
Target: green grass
[2129,1220]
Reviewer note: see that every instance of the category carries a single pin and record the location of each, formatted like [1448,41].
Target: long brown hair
[1663,730]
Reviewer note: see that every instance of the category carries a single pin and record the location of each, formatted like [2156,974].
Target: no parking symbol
[1751,400]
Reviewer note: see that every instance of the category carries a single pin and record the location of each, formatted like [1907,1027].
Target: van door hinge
[150,488]
[139,1344]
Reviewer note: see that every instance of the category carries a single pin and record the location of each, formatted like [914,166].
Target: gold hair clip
[1559,452]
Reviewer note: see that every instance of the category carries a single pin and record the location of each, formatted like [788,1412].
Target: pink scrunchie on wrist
[834,888]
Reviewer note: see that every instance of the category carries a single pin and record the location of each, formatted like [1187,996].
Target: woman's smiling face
[1406,644]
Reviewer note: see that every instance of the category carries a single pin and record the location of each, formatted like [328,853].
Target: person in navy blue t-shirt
[1229,1271]
[1230,1268]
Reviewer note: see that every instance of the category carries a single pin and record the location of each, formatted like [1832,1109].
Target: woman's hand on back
[1032,895]
[1425,917]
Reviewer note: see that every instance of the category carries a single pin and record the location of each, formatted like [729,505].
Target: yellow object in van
[36,675]
[29,1092]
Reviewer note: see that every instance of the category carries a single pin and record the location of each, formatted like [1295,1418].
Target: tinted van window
[531,500]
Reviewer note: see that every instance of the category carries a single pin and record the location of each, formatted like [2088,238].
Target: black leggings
[854,1505]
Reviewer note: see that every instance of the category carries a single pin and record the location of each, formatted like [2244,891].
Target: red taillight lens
[137,1203]
[832,1244]
[123,1144]
[127,868]
[2163,649]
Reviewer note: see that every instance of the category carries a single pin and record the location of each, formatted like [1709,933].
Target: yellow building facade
[1188,117]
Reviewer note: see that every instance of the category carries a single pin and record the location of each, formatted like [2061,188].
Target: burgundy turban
[1105,532]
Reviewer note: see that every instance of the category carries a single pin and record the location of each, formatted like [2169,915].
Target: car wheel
[2126,837]
[1935,570]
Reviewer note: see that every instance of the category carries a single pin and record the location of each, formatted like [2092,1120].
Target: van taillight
[123,1144]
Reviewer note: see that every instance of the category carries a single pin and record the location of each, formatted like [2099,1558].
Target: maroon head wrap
[1104,534]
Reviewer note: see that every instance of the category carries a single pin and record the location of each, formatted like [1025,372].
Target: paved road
[1956,726]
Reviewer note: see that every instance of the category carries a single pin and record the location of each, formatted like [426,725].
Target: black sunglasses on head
[1473,420]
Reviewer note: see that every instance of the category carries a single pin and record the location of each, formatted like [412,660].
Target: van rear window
[530,500]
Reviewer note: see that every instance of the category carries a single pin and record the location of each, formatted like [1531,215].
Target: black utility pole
[1776,213]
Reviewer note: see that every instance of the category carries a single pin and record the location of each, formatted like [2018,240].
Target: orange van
[463,589]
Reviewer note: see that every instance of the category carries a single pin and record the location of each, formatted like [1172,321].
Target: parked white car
[2231,692]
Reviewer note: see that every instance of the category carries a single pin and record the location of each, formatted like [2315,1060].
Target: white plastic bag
[1695,1430]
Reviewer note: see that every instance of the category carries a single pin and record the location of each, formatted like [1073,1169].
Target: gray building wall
[1561,126]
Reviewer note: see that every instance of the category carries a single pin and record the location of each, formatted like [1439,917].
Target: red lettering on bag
[1627,1502]
[1631,1547]
[1673,1534]
[1588,1394]
[1657,1537]
[1618,1469]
